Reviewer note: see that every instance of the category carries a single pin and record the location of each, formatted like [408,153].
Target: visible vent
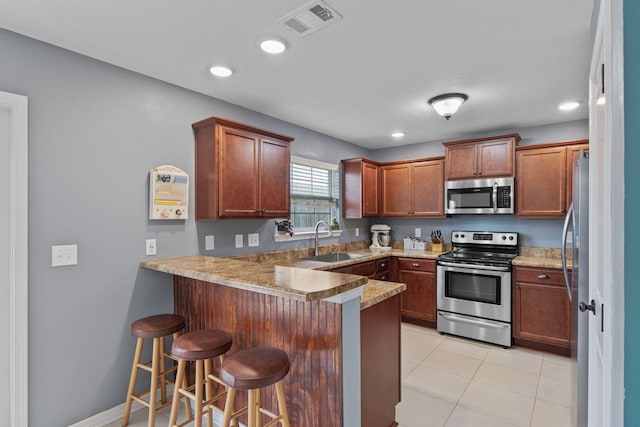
[310,18]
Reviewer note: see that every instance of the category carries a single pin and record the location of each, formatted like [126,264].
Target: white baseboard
[115,414]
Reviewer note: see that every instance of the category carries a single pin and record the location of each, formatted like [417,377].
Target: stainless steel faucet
[316,233]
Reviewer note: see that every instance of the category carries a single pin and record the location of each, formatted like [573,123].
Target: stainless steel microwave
[479,196]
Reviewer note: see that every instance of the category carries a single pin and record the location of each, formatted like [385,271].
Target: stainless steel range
[474,286]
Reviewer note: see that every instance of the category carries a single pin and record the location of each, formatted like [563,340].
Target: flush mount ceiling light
[447,104]
[221,71]
[398,134]
[273,45]
[568,106]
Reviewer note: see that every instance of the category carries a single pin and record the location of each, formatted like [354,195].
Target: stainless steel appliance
[473,289]
[576,225]
[479,196]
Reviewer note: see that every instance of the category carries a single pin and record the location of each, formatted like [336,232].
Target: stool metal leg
[132,382]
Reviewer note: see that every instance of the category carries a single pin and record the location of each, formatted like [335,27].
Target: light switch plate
[239,241]
[209,243]
[253,239]
[357,231]
[418,232]
[62,255]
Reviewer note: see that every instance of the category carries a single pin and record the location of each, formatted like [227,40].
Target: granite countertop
[376,291]
[542,262]
[293,283]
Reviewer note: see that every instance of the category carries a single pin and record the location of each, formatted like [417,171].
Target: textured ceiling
[359,79]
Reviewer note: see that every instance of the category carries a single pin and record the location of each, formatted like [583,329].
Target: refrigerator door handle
[563,254]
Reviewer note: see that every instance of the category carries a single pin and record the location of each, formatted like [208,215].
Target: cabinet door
[419,300]
[370,190]
[274,178]
[461,161]
[367,268]
[542,182]
[396,192]
[428,188]
[495,158]
[238,177]
[572,156]
[542,314]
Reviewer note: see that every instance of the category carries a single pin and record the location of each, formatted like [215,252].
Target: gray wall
[95,131]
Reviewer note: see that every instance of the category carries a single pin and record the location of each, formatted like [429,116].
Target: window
[314,192]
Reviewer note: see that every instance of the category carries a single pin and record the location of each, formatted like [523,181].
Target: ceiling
[358,79]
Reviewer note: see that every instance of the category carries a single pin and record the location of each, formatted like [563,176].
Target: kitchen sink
[333,257]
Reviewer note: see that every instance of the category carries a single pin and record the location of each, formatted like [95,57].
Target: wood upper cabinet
[543,183]
[360,188]
[541,309]
[241,171]
[480,158]
[419,300]
[413,188]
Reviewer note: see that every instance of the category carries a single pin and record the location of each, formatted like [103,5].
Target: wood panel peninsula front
[314,316]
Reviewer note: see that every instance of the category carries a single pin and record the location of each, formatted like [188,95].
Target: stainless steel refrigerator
[576,234]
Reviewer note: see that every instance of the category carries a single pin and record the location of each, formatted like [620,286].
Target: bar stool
[157,328]
[253,369]
[201,347]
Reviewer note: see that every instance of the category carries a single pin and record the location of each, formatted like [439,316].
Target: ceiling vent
[310,18]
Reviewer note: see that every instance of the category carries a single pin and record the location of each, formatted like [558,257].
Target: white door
[606,227]
[13,260]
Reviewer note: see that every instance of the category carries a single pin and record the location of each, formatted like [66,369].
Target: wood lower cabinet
[413,189]
[419,300]
[481,157]
[241,171]
[541,309]
[380,362]
[377,269]
[360,188]
[543,178]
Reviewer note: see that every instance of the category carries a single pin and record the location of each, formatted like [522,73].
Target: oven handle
[473,266]
[473,321]
[495,197]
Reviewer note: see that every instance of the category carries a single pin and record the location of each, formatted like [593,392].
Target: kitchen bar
[314,316]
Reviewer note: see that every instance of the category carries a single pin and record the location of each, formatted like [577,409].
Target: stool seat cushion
[201,344]
[254,368]
[157,326]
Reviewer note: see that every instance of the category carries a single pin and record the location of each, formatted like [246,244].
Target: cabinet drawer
[418,264]
[362,269]
[550,276]
[382,265]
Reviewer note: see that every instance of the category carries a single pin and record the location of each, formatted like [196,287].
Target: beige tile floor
[455,382]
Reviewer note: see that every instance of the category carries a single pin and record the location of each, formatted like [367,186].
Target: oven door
[474,292]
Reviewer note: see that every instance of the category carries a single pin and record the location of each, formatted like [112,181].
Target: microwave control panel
[168,193]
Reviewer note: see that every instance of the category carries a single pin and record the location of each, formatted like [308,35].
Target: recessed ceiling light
[221,71]
[568,106]
[398,134]
[273,45]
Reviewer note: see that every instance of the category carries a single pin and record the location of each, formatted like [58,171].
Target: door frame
[18,256]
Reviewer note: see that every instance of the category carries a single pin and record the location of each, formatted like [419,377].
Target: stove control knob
[510,237]
[456,236]
[504,237]
[462,236]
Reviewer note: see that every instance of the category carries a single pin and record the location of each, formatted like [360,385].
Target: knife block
[437,247]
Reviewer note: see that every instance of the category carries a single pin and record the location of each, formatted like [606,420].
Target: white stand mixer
[381,237]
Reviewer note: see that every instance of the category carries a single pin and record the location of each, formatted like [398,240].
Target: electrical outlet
[418,232]
[62,255]
[239,241]
[253,239]
[209,243]
[357,231]
[152,249]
